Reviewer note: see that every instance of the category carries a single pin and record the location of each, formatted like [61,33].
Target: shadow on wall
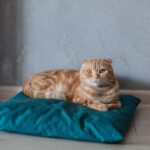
[9,40]
[127,83]
[12,36]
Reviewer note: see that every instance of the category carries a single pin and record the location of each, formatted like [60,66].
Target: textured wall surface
[39,35]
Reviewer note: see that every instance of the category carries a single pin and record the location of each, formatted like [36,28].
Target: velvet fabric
[63,119]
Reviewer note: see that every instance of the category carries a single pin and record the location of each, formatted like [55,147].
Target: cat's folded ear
[107,60]
[84,61]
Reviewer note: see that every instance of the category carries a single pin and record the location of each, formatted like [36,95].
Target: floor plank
[137,136]
[142,121]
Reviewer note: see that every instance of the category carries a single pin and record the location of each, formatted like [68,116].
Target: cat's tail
[31,91]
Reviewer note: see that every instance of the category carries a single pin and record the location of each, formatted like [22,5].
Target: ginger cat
[93,86]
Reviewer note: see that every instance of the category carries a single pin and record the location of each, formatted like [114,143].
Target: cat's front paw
[102,108]
[116,105]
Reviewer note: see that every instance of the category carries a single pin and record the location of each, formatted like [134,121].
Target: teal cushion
[62,119]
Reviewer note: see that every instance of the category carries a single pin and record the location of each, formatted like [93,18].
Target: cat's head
[96,72]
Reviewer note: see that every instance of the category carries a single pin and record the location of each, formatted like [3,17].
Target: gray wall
[39,35]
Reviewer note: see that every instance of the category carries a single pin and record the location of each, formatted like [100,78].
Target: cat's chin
[94,84]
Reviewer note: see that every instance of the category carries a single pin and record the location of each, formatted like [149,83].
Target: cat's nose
[95,78]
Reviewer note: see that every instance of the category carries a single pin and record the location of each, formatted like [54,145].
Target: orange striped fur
[94,85]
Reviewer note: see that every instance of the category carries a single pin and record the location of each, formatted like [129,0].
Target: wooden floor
[137,137]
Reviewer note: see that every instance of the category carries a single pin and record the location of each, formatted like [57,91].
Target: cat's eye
[89,71]
[102,70]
